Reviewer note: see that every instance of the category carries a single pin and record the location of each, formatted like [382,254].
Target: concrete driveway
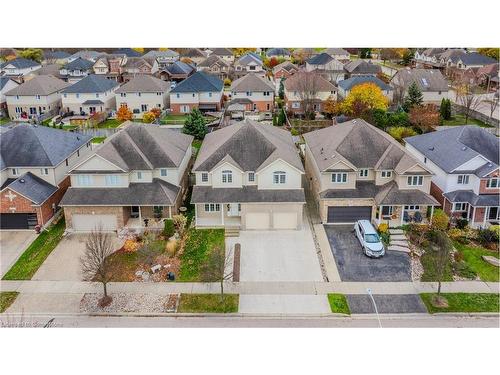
[353,265]
[64,261]
[12,245]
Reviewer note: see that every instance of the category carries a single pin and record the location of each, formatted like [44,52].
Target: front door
[234,209]
[134,211]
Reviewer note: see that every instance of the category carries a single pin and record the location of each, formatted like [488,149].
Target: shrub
[169,229]
[440,220]
[180,222]
[124,114]
[487,236]
[383,228]
[171,247]
[156,112]
[130,246]
[294,131]
[461,223]
[455,233]
[227,82]
[463,270]
[496,229]
[148,117]
[400,132]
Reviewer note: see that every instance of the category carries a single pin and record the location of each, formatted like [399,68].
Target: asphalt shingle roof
[321,59]
[20,63]
[80,64]
[129,52]
[211,60]
[252,82]
[39,85]
[200,82]
[56,54]
[349,83]
[222,51]
[179,67]
[321,84]
[475,58]
[3,81]
[474,199]
[91,84]
[362,67]
[165,54]
[144,83]
[33,188]
[426,79]
[277,52]
[249,58]
[246,194]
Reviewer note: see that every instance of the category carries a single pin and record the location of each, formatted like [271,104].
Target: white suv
[369,239]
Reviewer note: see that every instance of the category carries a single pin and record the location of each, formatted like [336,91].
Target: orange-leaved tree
[124,114]
[156,111]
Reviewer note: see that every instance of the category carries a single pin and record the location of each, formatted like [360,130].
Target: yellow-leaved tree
[363,98]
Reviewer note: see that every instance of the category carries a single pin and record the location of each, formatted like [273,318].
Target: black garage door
[18,221]
[349,214]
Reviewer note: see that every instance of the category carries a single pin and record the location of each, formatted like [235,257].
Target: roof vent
[321,151]
[78,138]
[431,148]
[22,181]
[464,148]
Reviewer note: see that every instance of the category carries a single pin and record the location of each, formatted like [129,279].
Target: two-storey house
[248,176]
[255,92]
[465,163]
[325,65]
[361,68]
[224,53]
[33,165]
[176,71]
[138,66]
[76,69]
[86,55]
[339,54]
[136,178]
[345,86]
[163,58]
[248,63]
[431,83]
[278,53]
[216,66]
[18,67]
[195,55]
[307,89]
[110,66]
[357,171]
[201,90]
[40,95]
[6,84]
[90,95]
[143,93]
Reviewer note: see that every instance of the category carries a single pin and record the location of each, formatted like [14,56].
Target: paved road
[413,321]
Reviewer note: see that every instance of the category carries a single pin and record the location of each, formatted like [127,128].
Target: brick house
[300,84]
[257,89]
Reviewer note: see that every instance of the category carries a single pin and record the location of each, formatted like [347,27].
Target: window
[249,93]
[252,67]
[38,97]
[163,172]
[78,153]
[44,171]
[340,178]
[123,94]
[267,93]
[17,96]
[460,207]
[227,177]
[212,207]
[415,180]
[251,176]
[204,177]
[144,107]
[209,94]
[463,179]
[177,95]
[295,105]
[387,211]
[425,160]
[15,171]
[112,180]
[84,180]
[386,174]
[66,161]
[97,95]
[279,177]
[363,173]
[412,208]
[493,183]
[139,175]
[77,95]
[138,94]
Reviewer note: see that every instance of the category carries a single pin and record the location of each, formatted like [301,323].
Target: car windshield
[372,238]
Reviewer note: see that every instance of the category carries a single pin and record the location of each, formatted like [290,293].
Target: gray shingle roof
[38,146]
[156,193]
[483,200]
[451,148]
[32,187]
[277,52]
[79,64]
[336,51]
[39,85]
[194,52]
[144,83]
[3,82]
[129,52]
[222,51]
[91,84]
[426,79]
[321,59]
[20,63]
[362,67]
[349,83]
[211,60]
[200,82]
[179,67]
[246,194]
[86,54]
[249,58]
[252,82]
[165,54]
[250,145]
[294,83]
[286,65]
[475,58]
[56,54]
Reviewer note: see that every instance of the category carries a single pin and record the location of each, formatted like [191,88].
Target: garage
[87,223]
[18,221]
[285,220]
[339,214]
[257,220]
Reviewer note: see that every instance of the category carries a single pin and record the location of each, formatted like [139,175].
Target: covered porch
[480,211]
[152,217]
[398,215]
[216,215]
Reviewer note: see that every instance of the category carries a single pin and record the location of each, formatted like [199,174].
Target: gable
[96,163]
[417,168]
[472,164]
[225,165]
[339,165]
[280,164]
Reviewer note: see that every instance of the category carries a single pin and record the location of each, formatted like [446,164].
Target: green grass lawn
[98,139]
[27,265]
[472,256]
[430,274]
[199,243]
[196,143]
[208,303]
[4,120]
[179,119]
[459,119]
[110,123]
[464,302]
[338,304]
[6,299]
[70,127]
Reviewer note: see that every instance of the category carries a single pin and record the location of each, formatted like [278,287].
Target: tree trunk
[439,288]
[222,289]
[105,289]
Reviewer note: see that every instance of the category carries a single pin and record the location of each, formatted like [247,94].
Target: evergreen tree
[281,117]
[445,109]
[195,124]
[281,90]
[413,98]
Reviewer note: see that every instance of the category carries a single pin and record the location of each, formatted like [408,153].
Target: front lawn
[208,303]
[463,302]
[4,120]
[472,256]
[199,244]
[27,265]
[6,299]
[338,304]
[459,119]
[110,123]
[428,260]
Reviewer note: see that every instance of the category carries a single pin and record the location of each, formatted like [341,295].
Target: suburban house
[248,176]
[488,76]
[138,66]
[361,68]
[128,52]
[34,164]
[196,55]
[163,58]
[40,95]
[249,62]
[201,90]
[6,84]
[465,163]
[307,86]
[177,71]
[76,69]
[449,57]
[429,57]
[45,70]
[357,171]
[90,95]
[324,64]
[339,54]
[86,55]
[216,66]
[143,93]
[18,67]
[472,60]
[224,53]
[345,86]
[284,70]
[55,57]
[136,178]
[431,83]
[110,66]
[279,53]
[257,91]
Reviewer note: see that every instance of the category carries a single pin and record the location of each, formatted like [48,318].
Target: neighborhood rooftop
[91,84]
[199,82]
[39,85]
[144,83]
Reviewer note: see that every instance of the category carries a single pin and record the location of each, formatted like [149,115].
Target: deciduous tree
[156,112]
[148,117]
[330,107]
[124,114]
[468,99]
[362,98]
[218,267]
[442,247]
[35,54]
[424,117]
[491,52]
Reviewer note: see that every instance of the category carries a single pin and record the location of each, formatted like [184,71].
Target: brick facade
[437,193]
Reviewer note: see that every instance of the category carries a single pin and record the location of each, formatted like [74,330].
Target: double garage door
[87,223]
[341,215]
[262,220]
[18,221]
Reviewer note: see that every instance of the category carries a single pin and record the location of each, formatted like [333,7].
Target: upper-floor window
[138,94]
[279,177]
[122,94]
[251,176]
[112,180]
[65,95]
[139,175]
[84,180]
[77,95]
[209,94]
[363,173]
[204,177]
[463,179]
[339,177]
[227,177]
[38,97]
[386,174]
[415,180]
[177,95]
[163,172]
[66,162]
[493,183]
[15,171]
[266,93]
[97,95]
[249,93]
[252,67]
[44,171]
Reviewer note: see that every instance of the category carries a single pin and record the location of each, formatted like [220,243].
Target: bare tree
[218,267]
[468,99]
[95,263]
[307,87]
[493,104]
[442,247]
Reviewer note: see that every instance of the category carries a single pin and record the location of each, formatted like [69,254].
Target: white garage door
[285,220]
[87,223]
[257,220]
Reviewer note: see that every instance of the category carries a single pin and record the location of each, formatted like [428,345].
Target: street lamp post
[369,291]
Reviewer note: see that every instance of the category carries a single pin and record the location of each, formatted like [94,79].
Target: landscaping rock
[398,237]
[123,302]
[145,276]
[491,260]
[156,268]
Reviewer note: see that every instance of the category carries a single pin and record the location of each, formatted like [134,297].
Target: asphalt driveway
[386,304]
[12,245]
[353,265]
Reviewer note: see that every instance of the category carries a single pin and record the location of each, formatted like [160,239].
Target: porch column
[432,213]
[486,213]
[380,214]
[468,210]
[402,214]
[195,214]
[170,211]
[140,216]
[222,213]
[473,216]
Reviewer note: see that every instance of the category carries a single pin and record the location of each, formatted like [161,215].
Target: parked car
[369,239]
